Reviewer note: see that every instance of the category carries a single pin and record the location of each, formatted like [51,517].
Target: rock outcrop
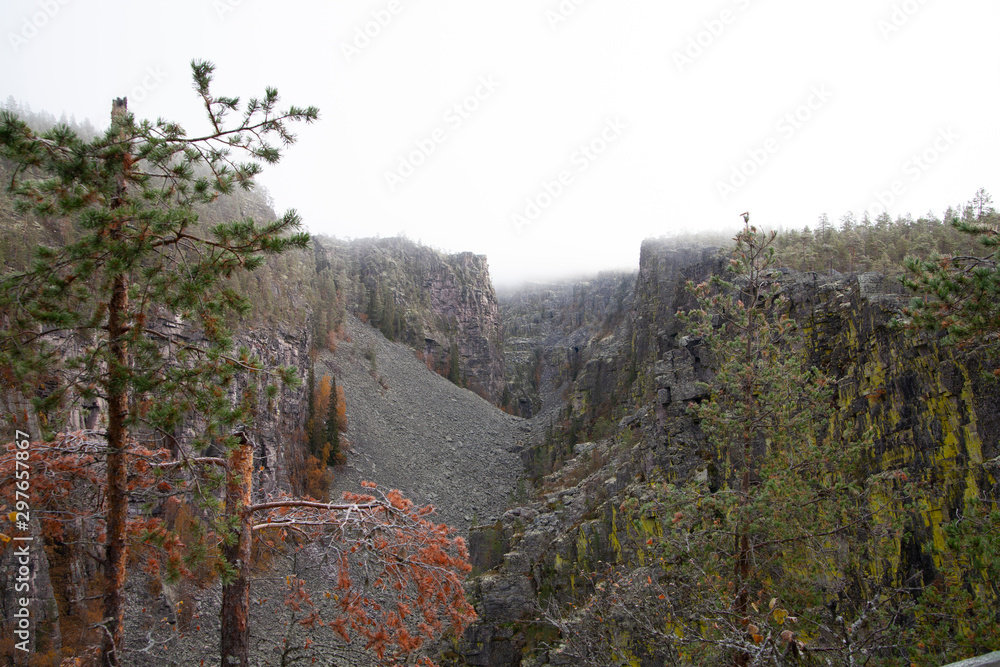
[440,305]
[63,567]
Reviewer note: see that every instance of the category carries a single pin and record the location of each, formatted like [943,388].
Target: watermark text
[912,170]
[580,161]
[365,35]
[454,117]
[562,12]
[898,17]
[712,29]
[21,518]
[786,127]
[31,25]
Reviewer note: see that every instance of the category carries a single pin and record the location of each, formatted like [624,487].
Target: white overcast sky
[671,98]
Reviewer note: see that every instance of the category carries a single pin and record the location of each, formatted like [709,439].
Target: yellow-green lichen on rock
[917,402]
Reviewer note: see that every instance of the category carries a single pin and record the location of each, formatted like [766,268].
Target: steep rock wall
[435,303]
[929,411]
[548,329]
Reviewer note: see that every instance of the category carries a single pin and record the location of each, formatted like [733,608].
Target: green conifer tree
[454,367]
[770,543]
[960,295]
[141,255]
[332,426]
[763,413]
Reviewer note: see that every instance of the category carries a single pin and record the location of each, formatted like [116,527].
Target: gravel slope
[413,430]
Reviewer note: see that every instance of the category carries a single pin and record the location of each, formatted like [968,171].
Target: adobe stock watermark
[580,161]
[454,118]
[22,538]
[153,76]
[912,170]
[364,35]
[786,127]
[712,29]
[899,15]
[31,25]
[224,7]
[562,12]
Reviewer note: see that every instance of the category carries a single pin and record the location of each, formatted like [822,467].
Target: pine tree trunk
[116,553]
[235,647]
[742,566]
[741,658]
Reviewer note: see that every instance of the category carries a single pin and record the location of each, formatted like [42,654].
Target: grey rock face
[435,302]
[989,660]
[552,332]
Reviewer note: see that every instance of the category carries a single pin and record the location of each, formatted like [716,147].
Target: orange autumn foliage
[399,578]
[321,400]
[412,588]
[318,475]
[341,409]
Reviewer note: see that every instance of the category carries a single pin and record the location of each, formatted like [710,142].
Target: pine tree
[756,547]
[960,295]
[982,205]
[141,255]
[454,367]
[332,426]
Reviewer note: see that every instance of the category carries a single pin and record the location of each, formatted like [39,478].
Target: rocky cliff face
[606,372]
[928,412]
[548,332]
[442,306]
[278,419]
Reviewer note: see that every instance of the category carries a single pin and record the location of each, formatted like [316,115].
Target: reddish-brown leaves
[413,570]
[398,579]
